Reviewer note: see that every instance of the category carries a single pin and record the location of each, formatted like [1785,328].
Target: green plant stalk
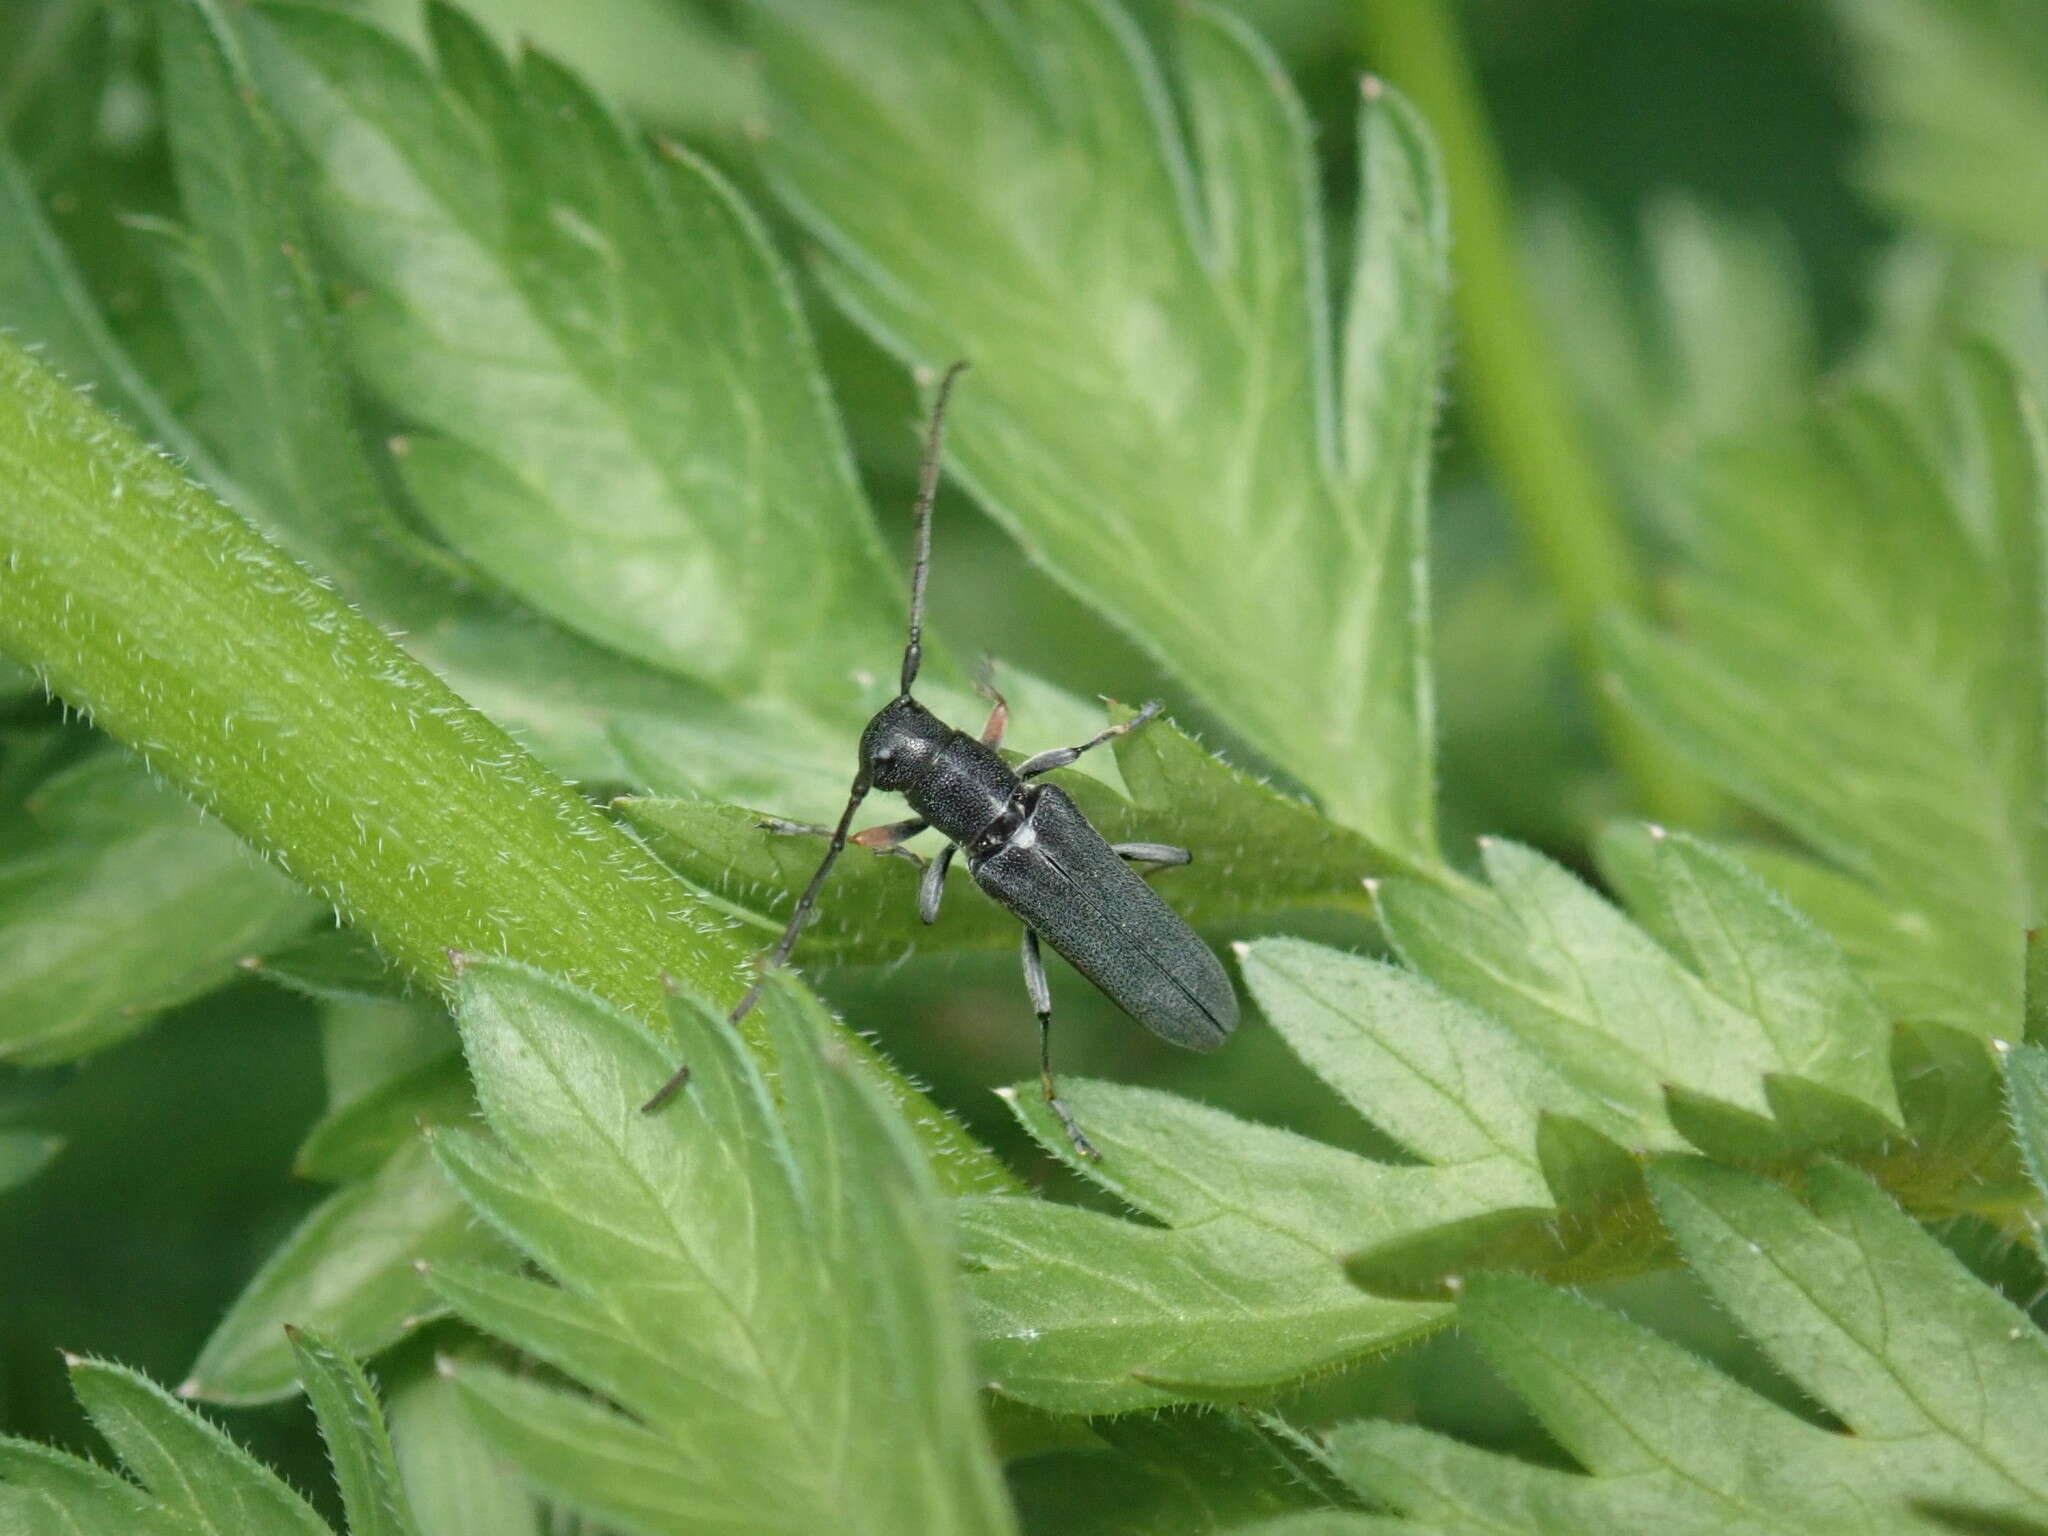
[1521,405]
[179,629]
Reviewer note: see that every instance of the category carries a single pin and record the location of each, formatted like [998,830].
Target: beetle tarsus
[678,1080]
[1082,1144]
[1041,1004]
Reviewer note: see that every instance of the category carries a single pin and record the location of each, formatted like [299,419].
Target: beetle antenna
[779,955]
[927,493]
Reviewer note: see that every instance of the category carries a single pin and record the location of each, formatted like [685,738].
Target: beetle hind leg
[1059,757]
[1041,1004]
[1158,855]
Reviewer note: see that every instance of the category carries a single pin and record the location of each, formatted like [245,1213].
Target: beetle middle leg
[1041,1003]
[1059,757]
[931,890]
[1159,855]
[999,707]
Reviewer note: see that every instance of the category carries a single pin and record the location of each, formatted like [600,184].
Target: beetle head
[902,735]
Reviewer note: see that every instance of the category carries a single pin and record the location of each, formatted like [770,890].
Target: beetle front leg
[1041,1003]
[886,838]
[784,946]
[890,837]
[783,828]
[1059,757]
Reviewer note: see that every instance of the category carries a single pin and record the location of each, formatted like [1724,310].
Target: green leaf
[1159,411]
[391,1068]
[1755,951]
[1872,1316]
[365,1045]
[1914,666]
[122,902]
[1961,1156]
[644,419]
[673,65]
[1547,1045]
[1256,849]
[1172,1474]
[1632,1034]
[593,1457]
[59,60]
[1955,90]
[45,1492]
[290,455]
[1897,953]
[1456,1088]
[191,1468]
[43,297]
[455,1478]
[2026,1087]
[1447,1082]
[333,965]
[511,479]
[763,1289]
[1929,296]
[194,1481]
[24,1154]
[352,1140]
[351,1270]
[1236,1284]
[1939,1379]
[1623,1017]
[244,295]
[1726,341]
[358,1443]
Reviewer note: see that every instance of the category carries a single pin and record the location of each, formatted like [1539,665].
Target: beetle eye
[884,754]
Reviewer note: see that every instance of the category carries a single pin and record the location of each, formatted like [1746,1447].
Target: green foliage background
[1581,496]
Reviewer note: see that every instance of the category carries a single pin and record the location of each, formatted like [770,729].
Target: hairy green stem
[1520,403]
[178,628]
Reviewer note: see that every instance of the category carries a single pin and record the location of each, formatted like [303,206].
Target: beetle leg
[1059,757]
[779,955]
[999,711]
[932,888]
[1041,1003]
[783,828]
[1165,855]
[887,838]
[890,837]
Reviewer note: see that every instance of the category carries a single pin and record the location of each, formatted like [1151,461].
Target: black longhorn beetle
[1027,845]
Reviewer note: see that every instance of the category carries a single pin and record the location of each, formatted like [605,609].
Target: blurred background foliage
[1720,204]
